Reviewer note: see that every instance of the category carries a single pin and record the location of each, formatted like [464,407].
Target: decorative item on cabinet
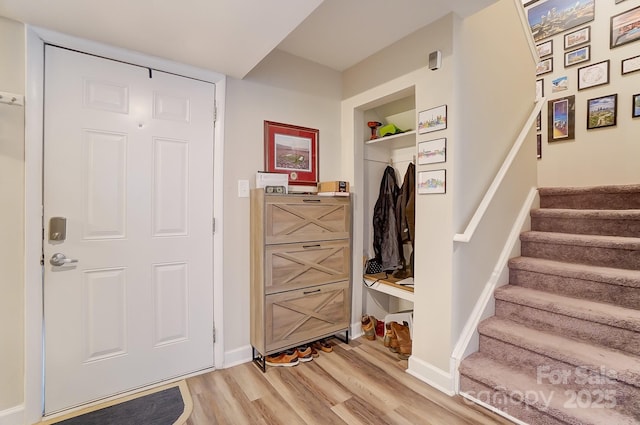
[300,270]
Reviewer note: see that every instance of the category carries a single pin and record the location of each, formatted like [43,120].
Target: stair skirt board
[564,344]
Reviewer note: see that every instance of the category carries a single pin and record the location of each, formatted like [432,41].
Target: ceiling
[233,36]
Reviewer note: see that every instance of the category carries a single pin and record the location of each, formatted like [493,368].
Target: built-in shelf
[391,288]
[395,141]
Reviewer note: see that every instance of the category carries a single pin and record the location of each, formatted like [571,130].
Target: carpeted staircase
[564,344]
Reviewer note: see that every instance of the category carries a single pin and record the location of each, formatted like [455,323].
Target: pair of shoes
[398,339]
[369,327]
[285,358]
[323,345]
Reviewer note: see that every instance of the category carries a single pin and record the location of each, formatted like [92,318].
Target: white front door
[128,162]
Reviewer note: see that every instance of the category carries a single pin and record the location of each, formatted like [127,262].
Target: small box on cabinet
[333,186]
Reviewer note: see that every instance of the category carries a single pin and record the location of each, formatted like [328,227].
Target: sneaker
[304,353]
[286,358]
[314,352]
[323,345]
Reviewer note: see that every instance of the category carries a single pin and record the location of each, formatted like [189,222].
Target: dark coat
[387,245]
[405,208]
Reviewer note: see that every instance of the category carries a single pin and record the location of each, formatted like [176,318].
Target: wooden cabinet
[300,270]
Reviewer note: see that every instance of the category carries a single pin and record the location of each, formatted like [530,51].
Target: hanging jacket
[386,239]
[405,207]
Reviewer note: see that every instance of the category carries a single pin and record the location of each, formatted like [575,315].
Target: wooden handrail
[497,181]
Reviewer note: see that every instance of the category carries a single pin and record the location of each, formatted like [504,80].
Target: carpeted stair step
[604,284]
[599,323]
[587,222]
[521,395]
[607,251]
[594,198]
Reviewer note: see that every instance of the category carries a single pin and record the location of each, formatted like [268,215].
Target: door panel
[128,161]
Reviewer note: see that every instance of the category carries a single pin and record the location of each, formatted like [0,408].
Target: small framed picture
[432,119]
[561,119]
[539,146]
[577,37]
[579,55]
[292,150]
[593,75]
[544,66]
[602,111]
[539,121]
[630,65]
[624,27]
[432,182]
[539,88]
[559,84]
[432,151]
[635,107]
[544,49]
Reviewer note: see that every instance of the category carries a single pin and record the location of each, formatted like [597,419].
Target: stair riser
[626,228]
[506,403]
[593,255]
[594,201]
[578,288]
[565,378]
[598,333]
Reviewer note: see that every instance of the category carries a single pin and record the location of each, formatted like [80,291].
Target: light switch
[243,188]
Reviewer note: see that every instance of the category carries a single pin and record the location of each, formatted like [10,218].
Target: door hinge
[213,227]
[214,335]
[215,112]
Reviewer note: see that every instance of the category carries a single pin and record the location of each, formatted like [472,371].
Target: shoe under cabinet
[300,270]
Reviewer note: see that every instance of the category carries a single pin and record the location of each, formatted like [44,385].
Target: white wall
[285,89]
[600,156]
[11,217]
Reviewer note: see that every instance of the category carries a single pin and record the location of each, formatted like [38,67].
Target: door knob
[59,259]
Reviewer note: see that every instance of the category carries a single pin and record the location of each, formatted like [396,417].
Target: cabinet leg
[344,339]
[259,360]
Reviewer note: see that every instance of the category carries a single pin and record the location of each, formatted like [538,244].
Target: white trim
[35,39]
[12,416]
[480,309]
[437,378]
[493,409]
[497,181]
[238,356]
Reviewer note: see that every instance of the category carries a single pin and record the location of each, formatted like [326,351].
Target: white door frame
[34,133]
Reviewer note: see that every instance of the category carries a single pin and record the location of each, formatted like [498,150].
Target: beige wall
[600,156]
[11,217]
[281,88]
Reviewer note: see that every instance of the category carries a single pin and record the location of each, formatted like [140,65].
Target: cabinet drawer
[299,265]
[306,218]
[297,316]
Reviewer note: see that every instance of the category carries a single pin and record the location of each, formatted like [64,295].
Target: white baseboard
[238,356]
[434,376]
[12,416]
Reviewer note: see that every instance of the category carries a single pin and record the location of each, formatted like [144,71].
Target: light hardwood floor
[360,383]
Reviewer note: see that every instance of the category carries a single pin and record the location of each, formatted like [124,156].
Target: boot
[388,335]
[403,336]
[369,327]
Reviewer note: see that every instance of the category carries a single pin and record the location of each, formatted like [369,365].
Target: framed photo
[539,146]
[432,119]
[593,75]
[539,88]
[432,182]
[544,49]
[559,84]
[561,115]
[544,66]
[539,121]
[625,27]
[292,150]
[577,56]
[630,65]
[602,111]
[577,37]
[555,16]
[432,151]
[635,107]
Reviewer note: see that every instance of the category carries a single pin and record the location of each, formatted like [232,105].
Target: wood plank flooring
[360,383]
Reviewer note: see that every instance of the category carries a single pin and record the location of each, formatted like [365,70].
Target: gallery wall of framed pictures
[588,69]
